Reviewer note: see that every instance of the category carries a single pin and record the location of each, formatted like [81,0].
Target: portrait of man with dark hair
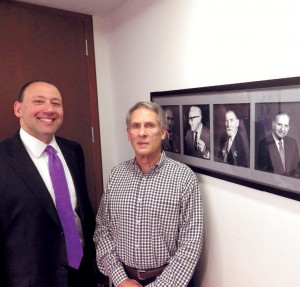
[172,140]
[278,152]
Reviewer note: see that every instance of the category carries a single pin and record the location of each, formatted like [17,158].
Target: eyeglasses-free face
[145,133]
[231,123]
[41,111]
[170,120]
[281,126]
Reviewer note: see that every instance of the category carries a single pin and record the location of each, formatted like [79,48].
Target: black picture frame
[247,111]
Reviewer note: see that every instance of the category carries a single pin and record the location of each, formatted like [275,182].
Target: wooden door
[39,43]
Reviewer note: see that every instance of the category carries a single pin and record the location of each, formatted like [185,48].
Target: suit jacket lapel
[25,168]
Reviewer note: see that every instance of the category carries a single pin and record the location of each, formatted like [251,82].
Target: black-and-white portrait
[277,146]
[196,131]
[232,134]
[172,139]
[246,132]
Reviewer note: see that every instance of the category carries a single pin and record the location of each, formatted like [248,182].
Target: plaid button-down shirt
[148,220]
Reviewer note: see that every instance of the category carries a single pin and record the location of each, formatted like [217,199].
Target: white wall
[251,237]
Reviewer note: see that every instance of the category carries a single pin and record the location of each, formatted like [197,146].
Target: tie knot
[49,150]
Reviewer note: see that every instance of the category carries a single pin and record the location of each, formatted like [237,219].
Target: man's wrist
[118,275]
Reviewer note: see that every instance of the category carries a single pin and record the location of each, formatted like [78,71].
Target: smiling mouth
[46,120]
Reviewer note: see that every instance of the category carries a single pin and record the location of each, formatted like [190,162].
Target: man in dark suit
[232,148]
[197,139]
[171,141]
[33,245]
[279,153]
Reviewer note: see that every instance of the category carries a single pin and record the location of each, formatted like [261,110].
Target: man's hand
[129,283]
[201,145]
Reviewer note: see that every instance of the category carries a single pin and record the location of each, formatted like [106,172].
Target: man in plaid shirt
[150,221]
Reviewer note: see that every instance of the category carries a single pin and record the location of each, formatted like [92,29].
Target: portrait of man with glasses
[197,138]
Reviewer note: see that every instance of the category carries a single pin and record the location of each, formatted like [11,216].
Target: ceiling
[90,7]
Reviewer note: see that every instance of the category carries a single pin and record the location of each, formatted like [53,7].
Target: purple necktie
[64,208]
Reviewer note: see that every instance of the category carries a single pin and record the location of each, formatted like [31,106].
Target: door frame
[95,195]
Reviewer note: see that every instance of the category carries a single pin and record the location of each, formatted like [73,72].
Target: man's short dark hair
[20,96]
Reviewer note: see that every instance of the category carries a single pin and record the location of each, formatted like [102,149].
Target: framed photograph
[246,133]
[172,142]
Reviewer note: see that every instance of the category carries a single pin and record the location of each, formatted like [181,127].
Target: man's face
[170,120]
[194,119]
[231,123]
[145,133]
[281,126]
[41,111]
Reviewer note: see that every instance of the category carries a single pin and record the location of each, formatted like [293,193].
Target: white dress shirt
[36,151]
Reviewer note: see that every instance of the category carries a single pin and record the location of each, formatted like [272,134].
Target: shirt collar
[35,146]
[156,167]
[277,141]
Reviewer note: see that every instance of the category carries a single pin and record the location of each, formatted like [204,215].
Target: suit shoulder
[7,144]
[267,140]
[67,142]
[239,137]
[290,140]
[206,129]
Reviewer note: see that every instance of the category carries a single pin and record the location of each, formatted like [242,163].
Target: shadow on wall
[200,268]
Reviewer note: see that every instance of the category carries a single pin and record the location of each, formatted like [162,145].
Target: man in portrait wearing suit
[171,141]
[197,139]
[279,153]
[46,219]
[232,148]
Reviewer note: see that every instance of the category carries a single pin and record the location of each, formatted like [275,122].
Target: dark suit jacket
[269,158]
[32,245]
[166,145]
[189,148]
[237,154]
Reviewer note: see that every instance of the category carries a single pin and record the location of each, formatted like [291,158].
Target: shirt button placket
[139,217]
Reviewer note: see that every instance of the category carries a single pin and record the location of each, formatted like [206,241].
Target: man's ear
[273,125]
[17,109]
[163,132]
[128,134]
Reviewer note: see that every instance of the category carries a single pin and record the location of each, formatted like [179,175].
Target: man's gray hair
[151,106]
[195,108]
